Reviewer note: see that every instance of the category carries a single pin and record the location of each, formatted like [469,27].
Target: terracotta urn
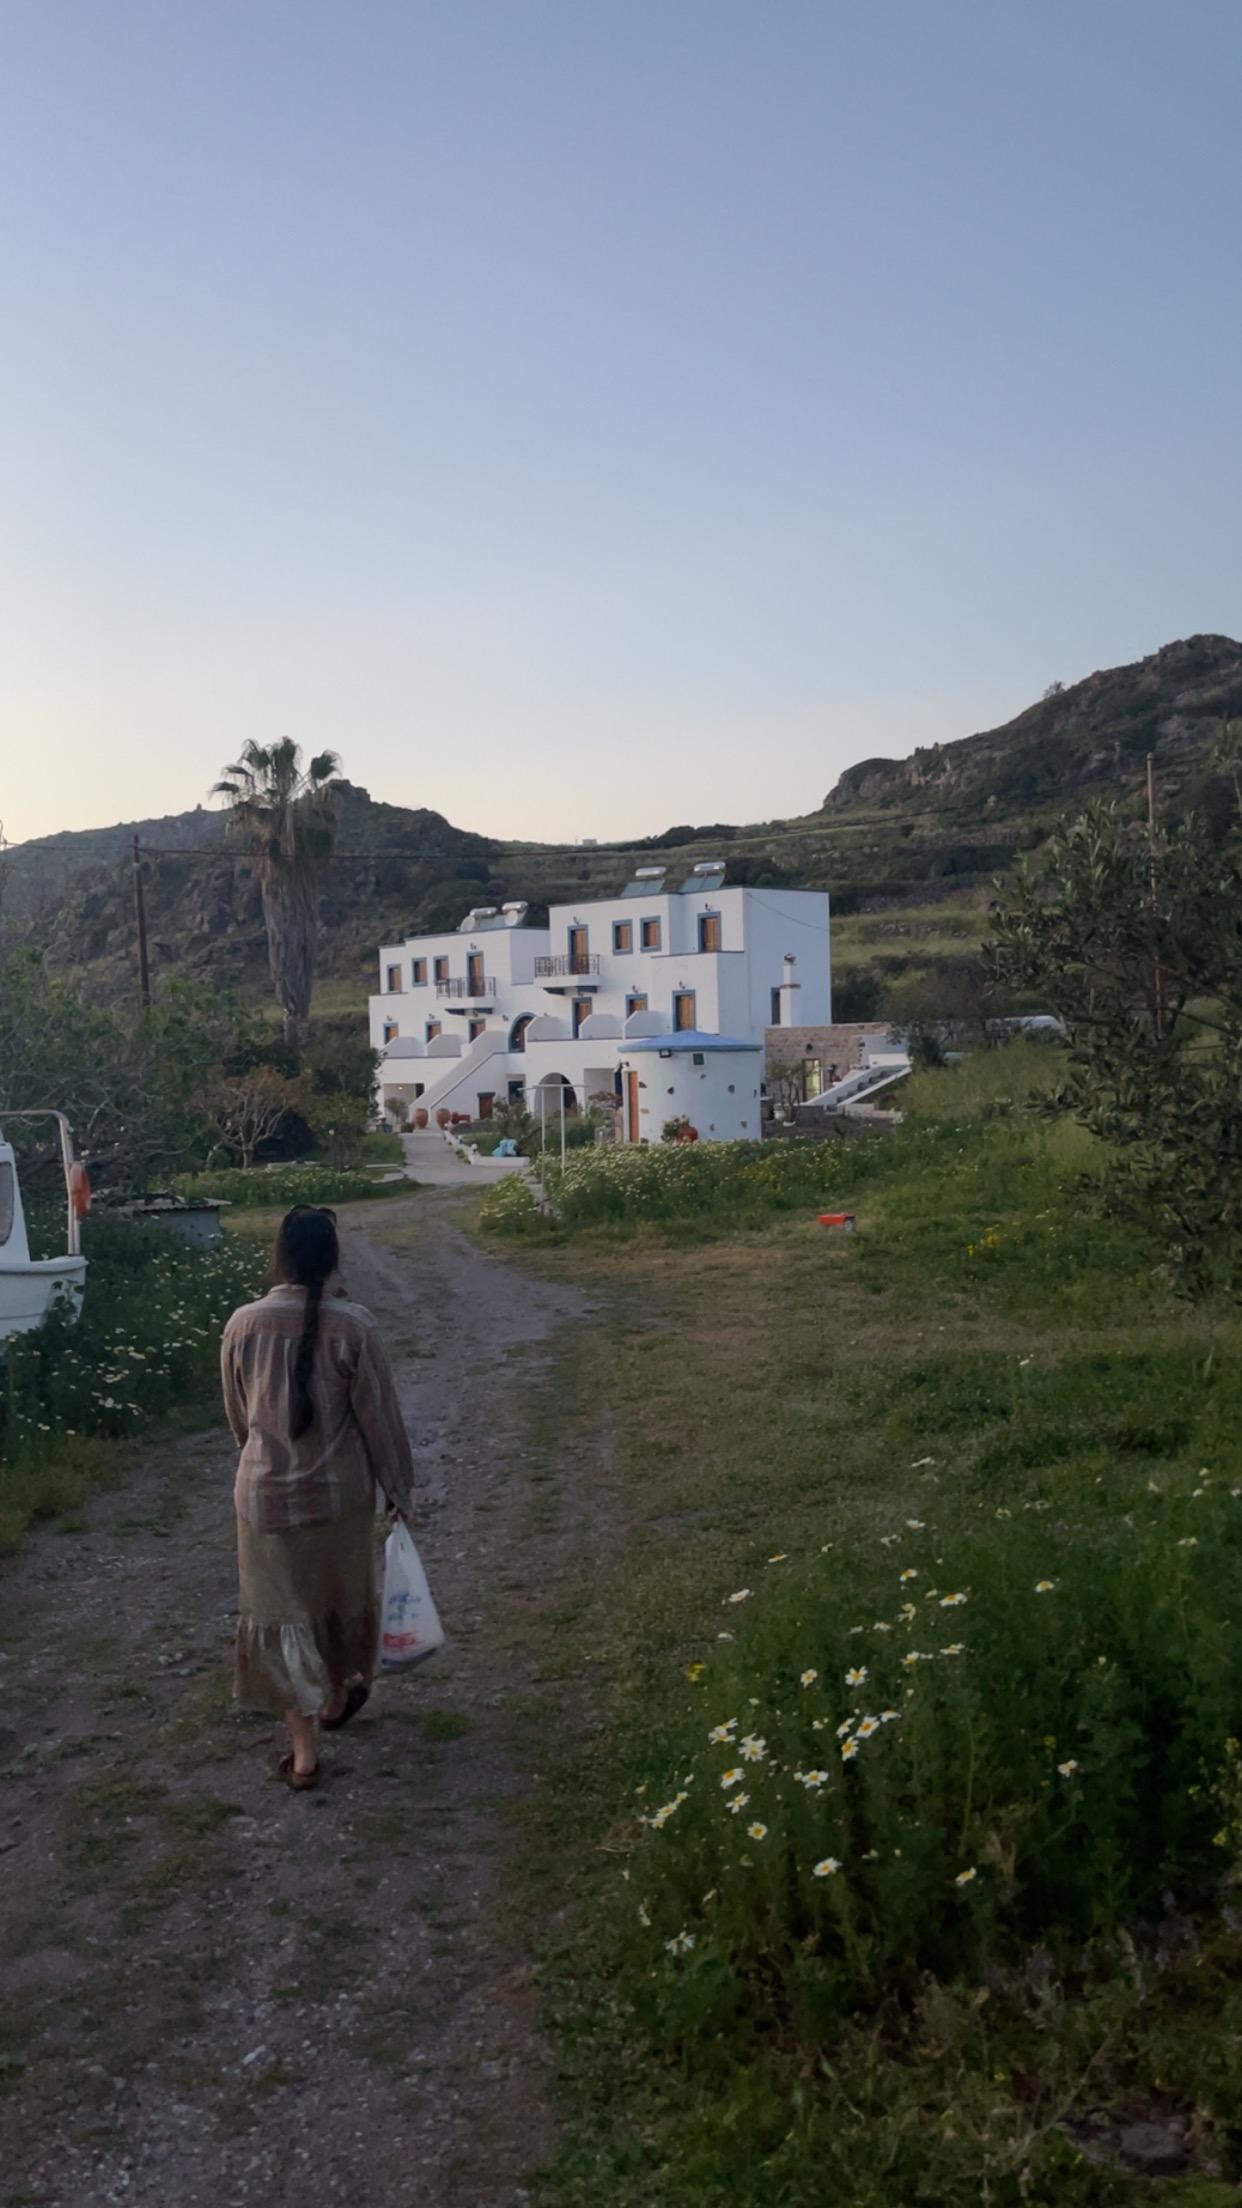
[444,1116]
[420,1115]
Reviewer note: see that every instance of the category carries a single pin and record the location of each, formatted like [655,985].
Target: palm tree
[284,819]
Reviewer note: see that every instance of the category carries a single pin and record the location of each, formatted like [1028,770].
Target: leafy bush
[146,1343]
[739,1182]
[512,1208]
[930,1752]
[276,1185]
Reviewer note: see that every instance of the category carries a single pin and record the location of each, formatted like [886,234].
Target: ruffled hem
[300,1666]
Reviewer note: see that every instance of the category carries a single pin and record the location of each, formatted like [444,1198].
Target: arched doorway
[517,1033]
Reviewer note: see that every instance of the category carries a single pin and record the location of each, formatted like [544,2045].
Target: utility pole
[140,916]
[1151,844]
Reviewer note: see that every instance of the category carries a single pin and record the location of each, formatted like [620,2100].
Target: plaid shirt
[357,1436]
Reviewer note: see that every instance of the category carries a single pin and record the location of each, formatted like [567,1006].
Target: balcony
[459,988]
[581,965]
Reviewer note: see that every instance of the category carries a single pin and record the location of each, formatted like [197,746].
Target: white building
[692,973]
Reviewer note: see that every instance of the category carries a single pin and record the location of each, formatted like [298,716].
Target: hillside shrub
[933,1750]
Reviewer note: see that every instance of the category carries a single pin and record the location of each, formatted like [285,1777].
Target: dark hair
[307,1251]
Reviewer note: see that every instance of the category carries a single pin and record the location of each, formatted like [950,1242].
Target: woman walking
[309,1394]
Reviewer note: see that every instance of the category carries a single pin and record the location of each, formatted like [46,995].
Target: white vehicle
[31,1286]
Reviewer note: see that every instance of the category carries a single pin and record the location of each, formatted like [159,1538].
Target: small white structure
[30,1286]
[499,1010]
[711,1081]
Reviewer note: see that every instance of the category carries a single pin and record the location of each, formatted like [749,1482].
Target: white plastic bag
[410,1629]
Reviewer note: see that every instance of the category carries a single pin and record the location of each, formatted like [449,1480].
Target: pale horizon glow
[590,419]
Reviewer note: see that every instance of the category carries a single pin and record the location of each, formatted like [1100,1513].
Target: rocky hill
[893,838]
[1091,737]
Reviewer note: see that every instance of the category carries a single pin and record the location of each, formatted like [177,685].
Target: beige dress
[309,1609]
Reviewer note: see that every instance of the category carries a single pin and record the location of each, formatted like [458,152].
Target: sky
[590,415]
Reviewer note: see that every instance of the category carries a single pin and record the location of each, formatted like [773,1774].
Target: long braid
[307,1253]
[303,1411]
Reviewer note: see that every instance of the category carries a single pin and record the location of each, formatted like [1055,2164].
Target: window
[623,935]
[683,1010]
[441,969]
[418,974]
[776,1008]
[709,931]
[391,1029]
[433,1029]
[393,982]
[651,935]
[635,1003]
[517,1091]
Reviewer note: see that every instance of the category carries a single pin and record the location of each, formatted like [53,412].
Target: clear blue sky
[592,414]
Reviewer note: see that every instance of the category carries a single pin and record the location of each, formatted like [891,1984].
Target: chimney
[789,992]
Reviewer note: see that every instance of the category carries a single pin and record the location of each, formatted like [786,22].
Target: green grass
[989,1357]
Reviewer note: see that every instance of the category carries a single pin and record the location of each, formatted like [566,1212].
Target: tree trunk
[291,917]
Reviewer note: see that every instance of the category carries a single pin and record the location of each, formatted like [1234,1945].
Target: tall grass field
[907,1868]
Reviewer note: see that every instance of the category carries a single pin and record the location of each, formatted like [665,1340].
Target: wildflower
[857,1677]
[756,1832]
[779,1558]
[742,1595]
[1044,1586]
[848,1727]
[695,1671]
[809,1678]
[966,1878]
[887,1717]
[916,1525]
[920,1463]
[643,1916]
[1191,1542]
[738,1802]
[868,1726]
[849,1749]
[734,1776]
[720,1733]
[680,1944]
[955,1648]
[828,1868]
[753,1748]
[907,1611]
[953,1602]
[1068,1768]
[881,1626]
[909,1573]
[912,1657]
[812,1780]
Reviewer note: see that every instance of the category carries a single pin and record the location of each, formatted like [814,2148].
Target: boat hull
[29,1292]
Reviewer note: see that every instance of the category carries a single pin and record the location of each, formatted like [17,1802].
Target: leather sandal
[300,1781]
[359,1693]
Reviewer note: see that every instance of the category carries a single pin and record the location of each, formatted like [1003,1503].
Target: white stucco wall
[719,1097]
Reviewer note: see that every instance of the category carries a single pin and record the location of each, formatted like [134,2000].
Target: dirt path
[219,1993]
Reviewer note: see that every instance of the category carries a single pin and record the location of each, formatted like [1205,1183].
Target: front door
[631,1106]
[487,1103]
[474,974]
[578,940]
[583,1008]
[683,1010]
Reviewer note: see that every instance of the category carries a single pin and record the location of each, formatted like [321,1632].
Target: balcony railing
[579,962]
[456,987]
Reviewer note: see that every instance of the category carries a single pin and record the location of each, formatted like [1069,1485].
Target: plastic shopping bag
[410,1629]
